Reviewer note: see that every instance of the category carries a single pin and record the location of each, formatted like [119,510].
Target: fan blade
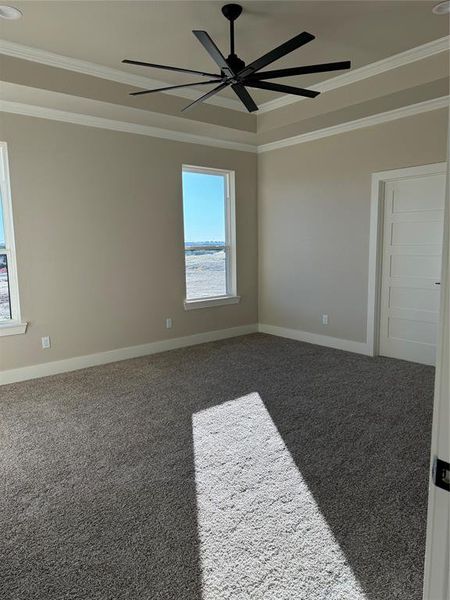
[214,52]
[336,66]
[276,87]
[299,40]
[173,87]
[206,96]
[244,97]
[167,68]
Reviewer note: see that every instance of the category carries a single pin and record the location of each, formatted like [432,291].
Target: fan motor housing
[235,63]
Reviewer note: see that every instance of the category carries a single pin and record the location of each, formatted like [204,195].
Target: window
[9,296]
[209,237]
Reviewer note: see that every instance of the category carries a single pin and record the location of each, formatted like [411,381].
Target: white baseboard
[101,358]
[315,338]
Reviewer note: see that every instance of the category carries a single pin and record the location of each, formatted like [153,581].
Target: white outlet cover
[45,341]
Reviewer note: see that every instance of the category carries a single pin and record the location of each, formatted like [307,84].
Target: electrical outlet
[169,323]
[324,319]
[45,341]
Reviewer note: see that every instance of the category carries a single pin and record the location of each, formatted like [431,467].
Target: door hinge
[441,474]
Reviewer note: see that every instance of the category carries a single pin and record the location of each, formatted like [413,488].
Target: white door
[411,267]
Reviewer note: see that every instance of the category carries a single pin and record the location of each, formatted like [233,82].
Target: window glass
[9,294]
[5,304]
[204,207]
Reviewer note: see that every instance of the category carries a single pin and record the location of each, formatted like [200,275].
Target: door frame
[436,582]
[379,181]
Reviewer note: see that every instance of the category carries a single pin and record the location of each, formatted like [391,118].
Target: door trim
[437,551]
[379,181]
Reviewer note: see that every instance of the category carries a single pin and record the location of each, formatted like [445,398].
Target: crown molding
[376,68]
[51,59]
[385,117]
[118,112]
[43,112]
[31,110]
[60,61]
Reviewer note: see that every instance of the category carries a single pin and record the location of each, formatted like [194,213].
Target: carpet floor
[254,468]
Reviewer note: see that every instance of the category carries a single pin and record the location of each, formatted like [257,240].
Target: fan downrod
[231,11]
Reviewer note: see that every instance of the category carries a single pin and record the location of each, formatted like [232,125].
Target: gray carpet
[254,468]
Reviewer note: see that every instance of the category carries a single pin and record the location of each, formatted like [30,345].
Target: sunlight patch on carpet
[262,535]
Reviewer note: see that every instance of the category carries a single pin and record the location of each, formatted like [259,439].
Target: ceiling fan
[236,74]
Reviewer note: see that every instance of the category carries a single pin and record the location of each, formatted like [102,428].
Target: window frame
[231,296]
[14,325]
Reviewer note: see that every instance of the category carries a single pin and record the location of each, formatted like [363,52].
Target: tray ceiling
[105,32]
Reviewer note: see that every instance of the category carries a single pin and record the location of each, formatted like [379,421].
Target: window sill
[210,302]
[12,328]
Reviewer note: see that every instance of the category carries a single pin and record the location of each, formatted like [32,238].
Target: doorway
[406,258]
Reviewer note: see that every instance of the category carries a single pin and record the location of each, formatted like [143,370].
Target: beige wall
[98,220]
[314,202]
[99,235]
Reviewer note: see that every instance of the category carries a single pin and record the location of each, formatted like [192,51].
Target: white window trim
[210,302]
[14,325]
[230,243]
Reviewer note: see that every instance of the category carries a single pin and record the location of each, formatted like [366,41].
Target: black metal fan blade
[214,52]
[323,68]
[299,40]
[206,96]
[167,68]
[173,87]
[276,87]
[244,97]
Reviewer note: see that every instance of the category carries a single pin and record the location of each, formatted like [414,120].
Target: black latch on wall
[441,474]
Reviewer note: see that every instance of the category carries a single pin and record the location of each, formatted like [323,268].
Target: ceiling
[105,32]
